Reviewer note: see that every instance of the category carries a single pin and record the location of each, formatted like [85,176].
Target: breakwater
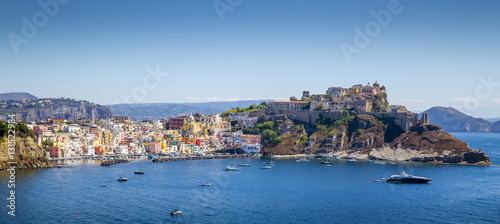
[113,161]
[172,159]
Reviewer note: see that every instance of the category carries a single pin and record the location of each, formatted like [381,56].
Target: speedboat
[176,212]
[230,168]
[407,178]
[351,160]
[122,179]
[266,167]
[206,185]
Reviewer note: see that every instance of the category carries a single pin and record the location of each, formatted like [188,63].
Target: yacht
[122,179]
[351,160]
[266,167]
[206,185]
[230,168]
[407,178]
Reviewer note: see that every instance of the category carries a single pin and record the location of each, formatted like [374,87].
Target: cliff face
[450,119]
[364,136]
[43,109]
[496,127]
[28,154]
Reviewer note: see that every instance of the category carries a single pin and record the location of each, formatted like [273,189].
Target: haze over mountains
[16,96]
[147,111]
[452,120]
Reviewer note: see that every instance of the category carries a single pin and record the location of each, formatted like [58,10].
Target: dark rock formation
[366,136]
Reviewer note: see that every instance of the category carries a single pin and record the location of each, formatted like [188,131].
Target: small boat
[244,165]
[368,160]
[176,212]
[303,160]
[351,160]
[139,171]
[266,167]
[103,185]
[379,163]
[230,168]
[326,162]
[392,163]
[206,185]
[269,162]
[122,179]
[407,178]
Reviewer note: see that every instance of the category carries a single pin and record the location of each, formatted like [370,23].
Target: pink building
[39,129]
[154,148]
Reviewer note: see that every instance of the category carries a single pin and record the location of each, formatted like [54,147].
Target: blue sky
[429,53]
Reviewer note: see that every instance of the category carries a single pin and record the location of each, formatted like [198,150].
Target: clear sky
[428,53]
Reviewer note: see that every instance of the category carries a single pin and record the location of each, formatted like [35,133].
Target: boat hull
[409,180]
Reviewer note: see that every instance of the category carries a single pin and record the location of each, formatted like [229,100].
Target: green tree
[277,141]
[268,137]
[264,103]
[251,107]
[266,125]
[293,98]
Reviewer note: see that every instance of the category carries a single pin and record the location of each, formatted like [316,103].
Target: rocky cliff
[60,108]
[28,154]
[365,137]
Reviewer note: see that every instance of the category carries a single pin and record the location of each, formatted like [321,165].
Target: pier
[113,161]
[171,159]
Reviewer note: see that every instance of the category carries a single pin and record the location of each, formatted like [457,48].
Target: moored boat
[266,167]
[230,168]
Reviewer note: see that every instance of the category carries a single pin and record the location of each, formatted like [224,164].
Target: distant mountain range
[16,96]
[148,111]
[452,120]
[56,108]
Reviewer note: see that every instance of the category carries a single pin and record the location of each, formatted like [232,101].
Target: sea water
[290,192]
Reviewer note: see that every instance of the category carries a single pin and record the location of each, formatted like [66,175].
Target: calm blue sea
[290,192]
